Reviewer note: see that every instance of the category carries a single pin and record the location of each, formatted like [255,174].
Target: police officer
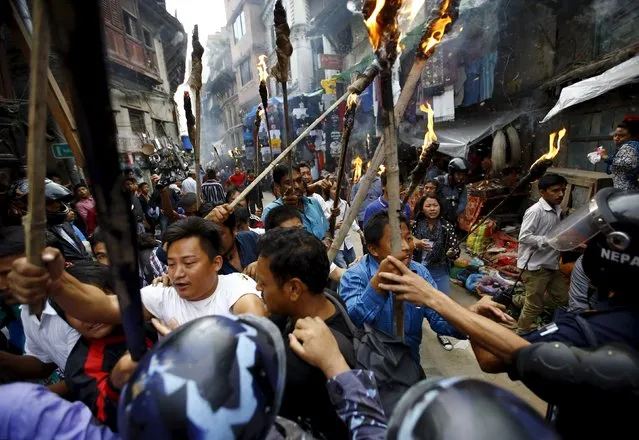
[451,190]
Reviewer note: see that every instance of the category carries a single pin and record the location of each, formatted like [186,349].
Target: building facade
[146,49]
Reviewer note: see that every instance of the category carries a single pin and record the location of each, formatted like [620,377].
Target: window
[239,27]
[245,72]
[130,25]
[158,128]
[137,121]
[148,42]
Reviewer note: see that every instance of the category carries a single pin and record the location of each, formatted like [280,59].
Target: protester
[293,194]
[313,190]
[233,193]
[368,303]
[189,185]
[212,189]
[292,272]
[255,196]
[381,204]
[538,261]
[193,250]
[85,205]
[237,179]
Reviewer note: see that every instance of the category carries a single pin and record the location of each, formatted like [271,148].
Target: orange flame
[552,149]
[374,29]
[261,68]
[357,162]
[352,100]
[382,170]
[438,29]
[430,135]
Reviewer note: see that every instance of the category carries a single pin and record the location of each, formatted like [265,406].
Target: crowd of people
[253,333]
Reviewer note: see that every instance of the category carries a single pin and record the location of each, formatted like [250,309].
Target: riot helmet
[217,377]
[458,165]
[56,198]
[609,225]
[461,408]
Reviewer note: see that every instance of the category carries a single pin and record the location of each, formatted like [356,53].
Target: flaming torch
[381,170]
[261,70]
[349,121]
[536,170]
[256,136]
[280,70]
[428,150]
[380,17]
[357,172]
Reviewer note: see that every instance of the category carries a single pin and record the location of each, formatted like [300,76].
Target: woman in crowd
[435,245]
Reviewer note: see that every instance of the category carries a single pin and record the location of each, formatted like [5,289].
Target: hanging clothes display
[472,86]
[444,105]
[432,79]
[488,64]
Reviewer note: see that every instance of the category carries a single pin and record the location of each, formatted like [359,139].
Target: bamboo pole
[35,220]
[195,82]
[279,158]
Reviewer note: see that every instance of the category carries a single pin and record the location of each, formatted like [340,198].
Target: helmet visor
[576,229]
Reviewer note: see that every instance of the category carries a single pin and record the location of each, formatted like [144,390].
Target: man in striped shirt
[212,189]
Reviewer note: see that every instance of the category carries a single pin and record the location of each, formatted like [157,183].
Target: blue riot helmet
[609,227]
[469,409]
[56,196]
[217,377]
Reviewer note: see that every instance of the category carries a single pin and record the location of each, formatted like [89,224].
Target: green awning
[345,75]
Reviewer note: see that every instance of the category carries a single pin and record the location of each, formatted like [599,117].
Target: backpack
[386,356]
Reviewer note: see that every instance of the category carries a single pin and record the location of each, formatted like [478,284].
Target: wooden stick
[195,82]
[279,158]
[349,121]
[35,220]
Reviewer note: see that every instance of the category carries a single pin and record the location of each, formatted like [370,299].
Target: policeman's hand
[487,308]
[251,270]
[122,371]
[220,214]
[28,283]
[163,328]
[313,341]
[407,285]
[164,279]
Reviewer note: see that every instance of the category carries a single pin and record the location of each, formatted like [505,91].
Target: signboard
[331,62]
[61,151]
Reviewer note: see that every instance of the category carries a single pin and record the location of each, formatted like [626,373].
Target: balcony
[130,53]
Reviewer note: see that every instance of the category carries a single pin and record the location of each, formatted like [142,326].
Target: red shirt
[237,179]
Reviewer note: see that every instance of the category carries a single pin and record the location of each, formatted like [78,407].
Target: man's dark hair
[632,125]
[211,174]
[242,215]
[188,199]
[93,273]
[12,241]
[147,241]
[279,215]
[281,170]
[97,237]
[143,184]
[194,227]
[295,253]
[131,179]
[230,222]
[229,193]
[548,180]
[303,165]
[78,186]
[374,228]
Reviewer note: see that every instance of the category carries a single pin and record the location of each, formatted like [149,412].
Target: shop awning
[456,137]
[622,74]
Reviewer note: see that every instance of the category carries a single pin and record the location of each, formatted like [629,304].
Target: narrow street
[461,360]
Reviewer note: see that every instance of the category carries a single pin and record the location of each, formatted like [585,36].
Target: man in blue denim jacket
[366,302]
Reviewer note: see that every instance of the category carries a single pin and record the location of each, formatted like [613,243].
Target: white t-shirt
[165,304]
[49,339]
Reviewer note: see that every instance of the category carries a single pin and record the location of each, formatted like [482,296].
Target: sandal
[448,346]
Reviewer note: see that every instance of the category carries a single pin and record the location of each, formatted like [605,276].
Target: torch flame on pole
[374,28]
[382,170]
[262,68]
[357,174]
[438,29]
[552,149]
[352,100]
[430,135]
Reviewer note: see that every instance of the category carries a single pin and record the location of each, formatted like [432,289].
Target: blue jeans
[441,275]
[344,258]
